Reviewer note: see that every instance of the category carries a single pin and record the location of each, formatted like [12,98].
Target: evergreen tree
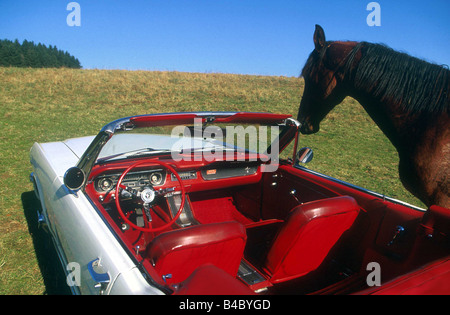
[28,54]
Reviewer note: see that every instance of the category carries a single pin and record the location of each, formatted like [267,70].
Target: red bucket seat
[176,254]
[307,236]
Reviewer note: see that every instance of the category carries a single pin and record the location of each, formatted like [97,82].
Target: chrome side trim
[35,188]
[75,290]
[42,223]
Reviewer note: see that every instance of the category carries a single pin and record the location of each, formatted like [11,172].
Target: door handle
[101,279]
[399,231]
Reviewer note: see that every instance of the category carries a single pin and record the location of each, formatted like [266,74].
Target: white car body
[79,233]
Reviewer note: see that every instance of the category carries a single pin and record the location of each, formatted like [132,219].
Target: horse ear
[319,38]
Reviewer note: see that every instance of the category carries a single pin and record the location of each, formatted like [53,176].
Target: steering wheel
[148,195]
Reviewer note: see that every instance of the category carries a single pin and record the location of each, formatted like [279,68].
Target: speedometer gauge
[156,178]
[105,184]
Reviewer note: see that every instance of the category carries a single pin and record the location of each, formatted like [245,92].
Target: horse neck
[403,124]
[390,118]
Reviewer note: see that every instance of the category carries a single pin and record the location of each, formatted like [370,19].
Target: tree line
[28,54]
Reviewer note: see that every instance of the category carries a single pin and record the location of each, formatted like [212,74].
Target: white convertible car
[202,203]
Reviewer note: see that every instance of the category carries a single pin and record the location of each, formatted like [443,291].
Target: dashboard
[104,183]
[203,177]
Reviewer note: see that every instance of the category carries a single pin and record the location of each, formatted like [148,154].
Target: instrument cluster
[139,179]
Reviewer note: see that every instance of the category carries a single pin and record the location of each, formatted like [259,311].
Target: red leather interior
[436,222]
[210,280]
[431,279]
[180,252]
[306,239]
[307,236]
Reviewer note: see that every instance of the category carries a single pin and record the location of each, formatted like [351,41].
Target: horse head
[324,80]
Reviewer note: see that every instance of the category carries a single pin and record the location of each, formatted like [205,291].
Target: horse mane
[414,84]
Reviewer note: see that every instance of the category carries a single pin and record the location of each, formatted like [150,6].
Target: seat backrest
[307,236]
[180,252]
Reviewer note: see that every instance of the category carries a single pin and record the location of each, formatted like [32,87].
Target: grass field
[41,105]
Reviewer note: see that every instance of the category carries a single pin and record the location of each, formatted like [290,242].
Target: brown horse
[406,97]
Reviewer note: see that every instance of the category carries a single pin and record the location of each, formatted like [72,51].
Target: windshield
[233,141]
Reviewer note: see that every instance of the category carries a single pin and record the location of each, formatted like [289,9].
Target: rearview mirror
[74,178]
[305,155]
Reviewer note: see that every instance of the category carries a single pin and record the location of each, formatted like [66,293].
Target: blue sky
[227,36]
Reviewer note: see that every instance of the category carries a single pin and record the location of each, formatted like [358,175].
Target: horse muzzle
[307,128]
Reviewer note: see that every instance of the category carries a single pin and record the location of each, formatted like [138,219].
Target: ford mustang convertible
[223,203]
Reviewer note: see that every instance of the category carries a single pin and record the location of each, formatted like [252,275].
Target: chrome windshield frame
[91,154]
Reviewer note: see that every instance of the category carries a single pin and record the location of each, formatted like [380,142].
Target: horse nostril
[307,128]
[304,129]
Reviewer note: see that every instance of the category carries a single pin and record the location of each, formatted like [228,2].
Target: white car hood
[79,145]
[61,155]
